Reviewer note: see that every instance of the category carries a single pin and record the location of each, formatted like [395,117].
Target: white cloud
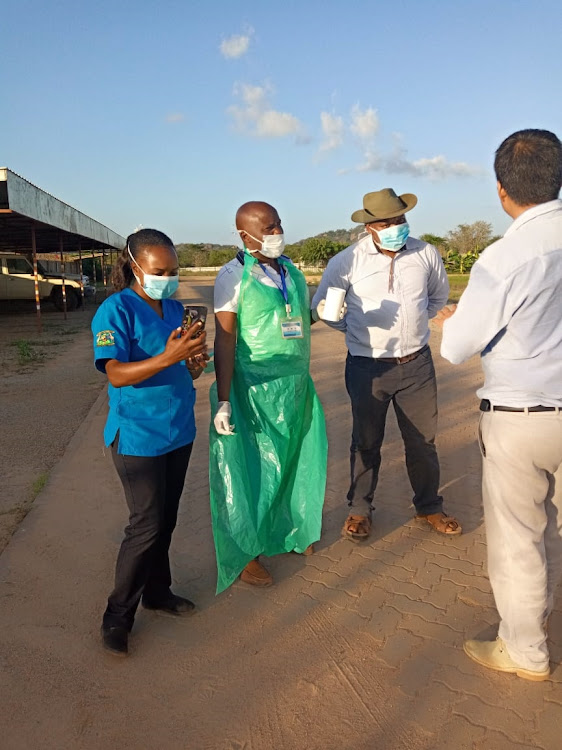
[255,116]
[373,162]
[175,117]
[438,167]
[273,124]
[236,45]
[333,131]
[433,168]
[364,123]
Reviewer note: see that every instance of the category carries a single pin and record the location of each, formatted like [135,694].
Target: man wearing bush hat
[393,285]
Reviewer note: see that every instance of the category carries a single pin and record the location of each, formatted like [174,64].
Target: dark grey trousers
[153,486]
[412,389]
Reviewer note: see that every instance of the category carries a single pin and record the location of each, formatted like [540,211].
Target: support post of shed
[104,273]
[36,278]
[81,275]
[63,276]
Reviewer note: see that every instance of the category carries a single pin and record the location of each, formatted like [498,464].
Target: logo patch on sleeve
[105,338]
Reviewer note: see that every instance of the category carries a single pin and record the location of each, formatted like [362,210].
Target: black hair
[528,165]
[122,272]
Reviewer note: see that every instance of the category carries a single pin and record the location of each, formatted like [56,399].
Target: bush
[456,262]
[317,251]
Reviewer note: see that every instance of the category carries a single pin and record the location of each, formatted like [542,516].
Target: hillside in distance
[346,236]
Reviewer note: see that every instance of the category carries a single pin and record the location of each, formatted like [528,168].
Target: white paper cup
[334,302]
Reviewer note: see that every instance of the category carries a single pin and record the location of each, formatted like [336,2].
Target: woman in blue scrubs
[150,426]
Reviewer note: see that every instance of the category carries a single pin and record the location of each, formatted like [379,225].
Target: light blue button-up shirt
[511,312]
[387,313]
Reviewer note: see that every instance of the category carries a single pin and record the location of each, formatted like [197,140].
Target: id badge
[292,329]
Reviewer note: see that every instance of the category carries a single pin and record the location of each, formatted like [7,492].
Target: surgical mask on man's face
[393,238]
[157,287]
[272,245]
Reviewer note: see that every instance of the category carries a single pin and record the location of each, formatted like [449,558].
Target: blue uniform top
[155,416]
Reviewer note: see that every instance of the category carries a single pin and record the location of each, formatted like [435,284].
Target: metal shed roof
[23,204]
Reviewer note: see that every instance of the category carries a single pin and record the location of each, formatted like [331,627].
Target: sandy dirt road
[355,648]
[47,387]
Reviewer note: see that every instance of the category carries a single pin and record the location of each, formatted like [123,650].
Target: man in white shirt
[511,313]
[393,285]
[268,469]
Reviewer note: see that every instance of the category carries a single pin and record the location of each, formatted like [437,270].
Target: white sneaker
[494,655]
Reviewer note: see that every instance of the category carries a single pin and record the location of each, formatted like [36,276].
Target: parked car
[17,281]
[75,276]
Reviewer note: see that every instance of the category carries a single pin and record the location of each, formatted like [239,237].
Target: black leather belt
[403,360]
[485,405]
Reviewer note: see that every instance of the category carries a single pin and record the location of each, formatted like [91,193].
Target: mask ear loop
[132,257]
[252,252]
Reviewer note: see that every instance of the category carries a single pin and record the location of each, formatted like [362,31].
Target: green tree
[190,255]
[218,257]
[294,252]
[465,243]
[317,251]
[434,239]
[457,263]
[470,237]
[204,254]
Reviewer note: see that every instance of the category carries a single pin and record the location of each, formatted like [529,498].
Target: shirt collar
[532,213]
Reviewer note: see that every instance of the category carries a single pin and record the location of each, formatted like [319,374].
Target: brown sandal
[308,551]
[442,523]
[357,528]
[256,575]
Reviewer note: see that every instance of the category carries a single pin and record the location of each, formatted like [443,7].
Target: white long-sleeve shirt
[386,317]
[511,312]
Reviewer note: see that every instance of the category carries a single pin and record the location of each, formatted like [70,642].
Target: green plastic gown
[267,481]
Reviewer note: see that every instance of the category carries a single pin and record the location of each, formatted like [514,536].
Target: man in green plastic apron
[268,446]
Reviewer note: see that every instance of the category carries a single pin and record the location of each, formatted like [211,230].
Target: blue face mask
[160,287]
[394,238]
[157,287]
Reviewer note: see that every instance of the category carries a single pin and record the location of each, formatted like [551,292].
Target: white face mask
[272,245]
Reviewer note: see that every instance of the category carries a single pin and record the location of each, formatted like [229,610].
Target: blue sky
[172,113]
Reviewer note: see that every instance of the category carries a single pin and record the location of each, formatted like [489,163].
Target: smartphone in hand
[192,314]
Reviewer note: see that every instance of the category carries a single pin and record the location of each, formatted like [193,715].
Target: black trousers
[372,385]
[153,487]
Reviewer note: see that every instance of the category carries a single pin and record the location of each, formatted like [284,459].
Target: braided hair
[122,274]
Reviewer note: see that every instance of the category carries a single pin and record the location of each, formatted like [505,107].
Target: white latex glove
[317,314]
[222,419]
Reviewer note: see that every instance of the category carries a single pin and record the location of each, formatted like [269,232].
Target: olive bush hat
[383,204]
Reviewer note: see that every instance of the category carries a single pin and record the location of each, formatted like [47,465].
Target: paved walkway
[355,648]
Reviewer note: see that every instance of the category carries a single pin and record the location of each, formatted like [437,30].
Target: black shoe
[115,639]
[172,605]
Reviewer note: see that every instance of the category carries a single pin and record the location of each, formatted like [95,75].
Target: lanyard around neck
[282,288]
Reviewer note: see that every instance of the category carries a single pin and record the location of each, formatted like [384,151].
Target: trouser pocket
[480,438]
